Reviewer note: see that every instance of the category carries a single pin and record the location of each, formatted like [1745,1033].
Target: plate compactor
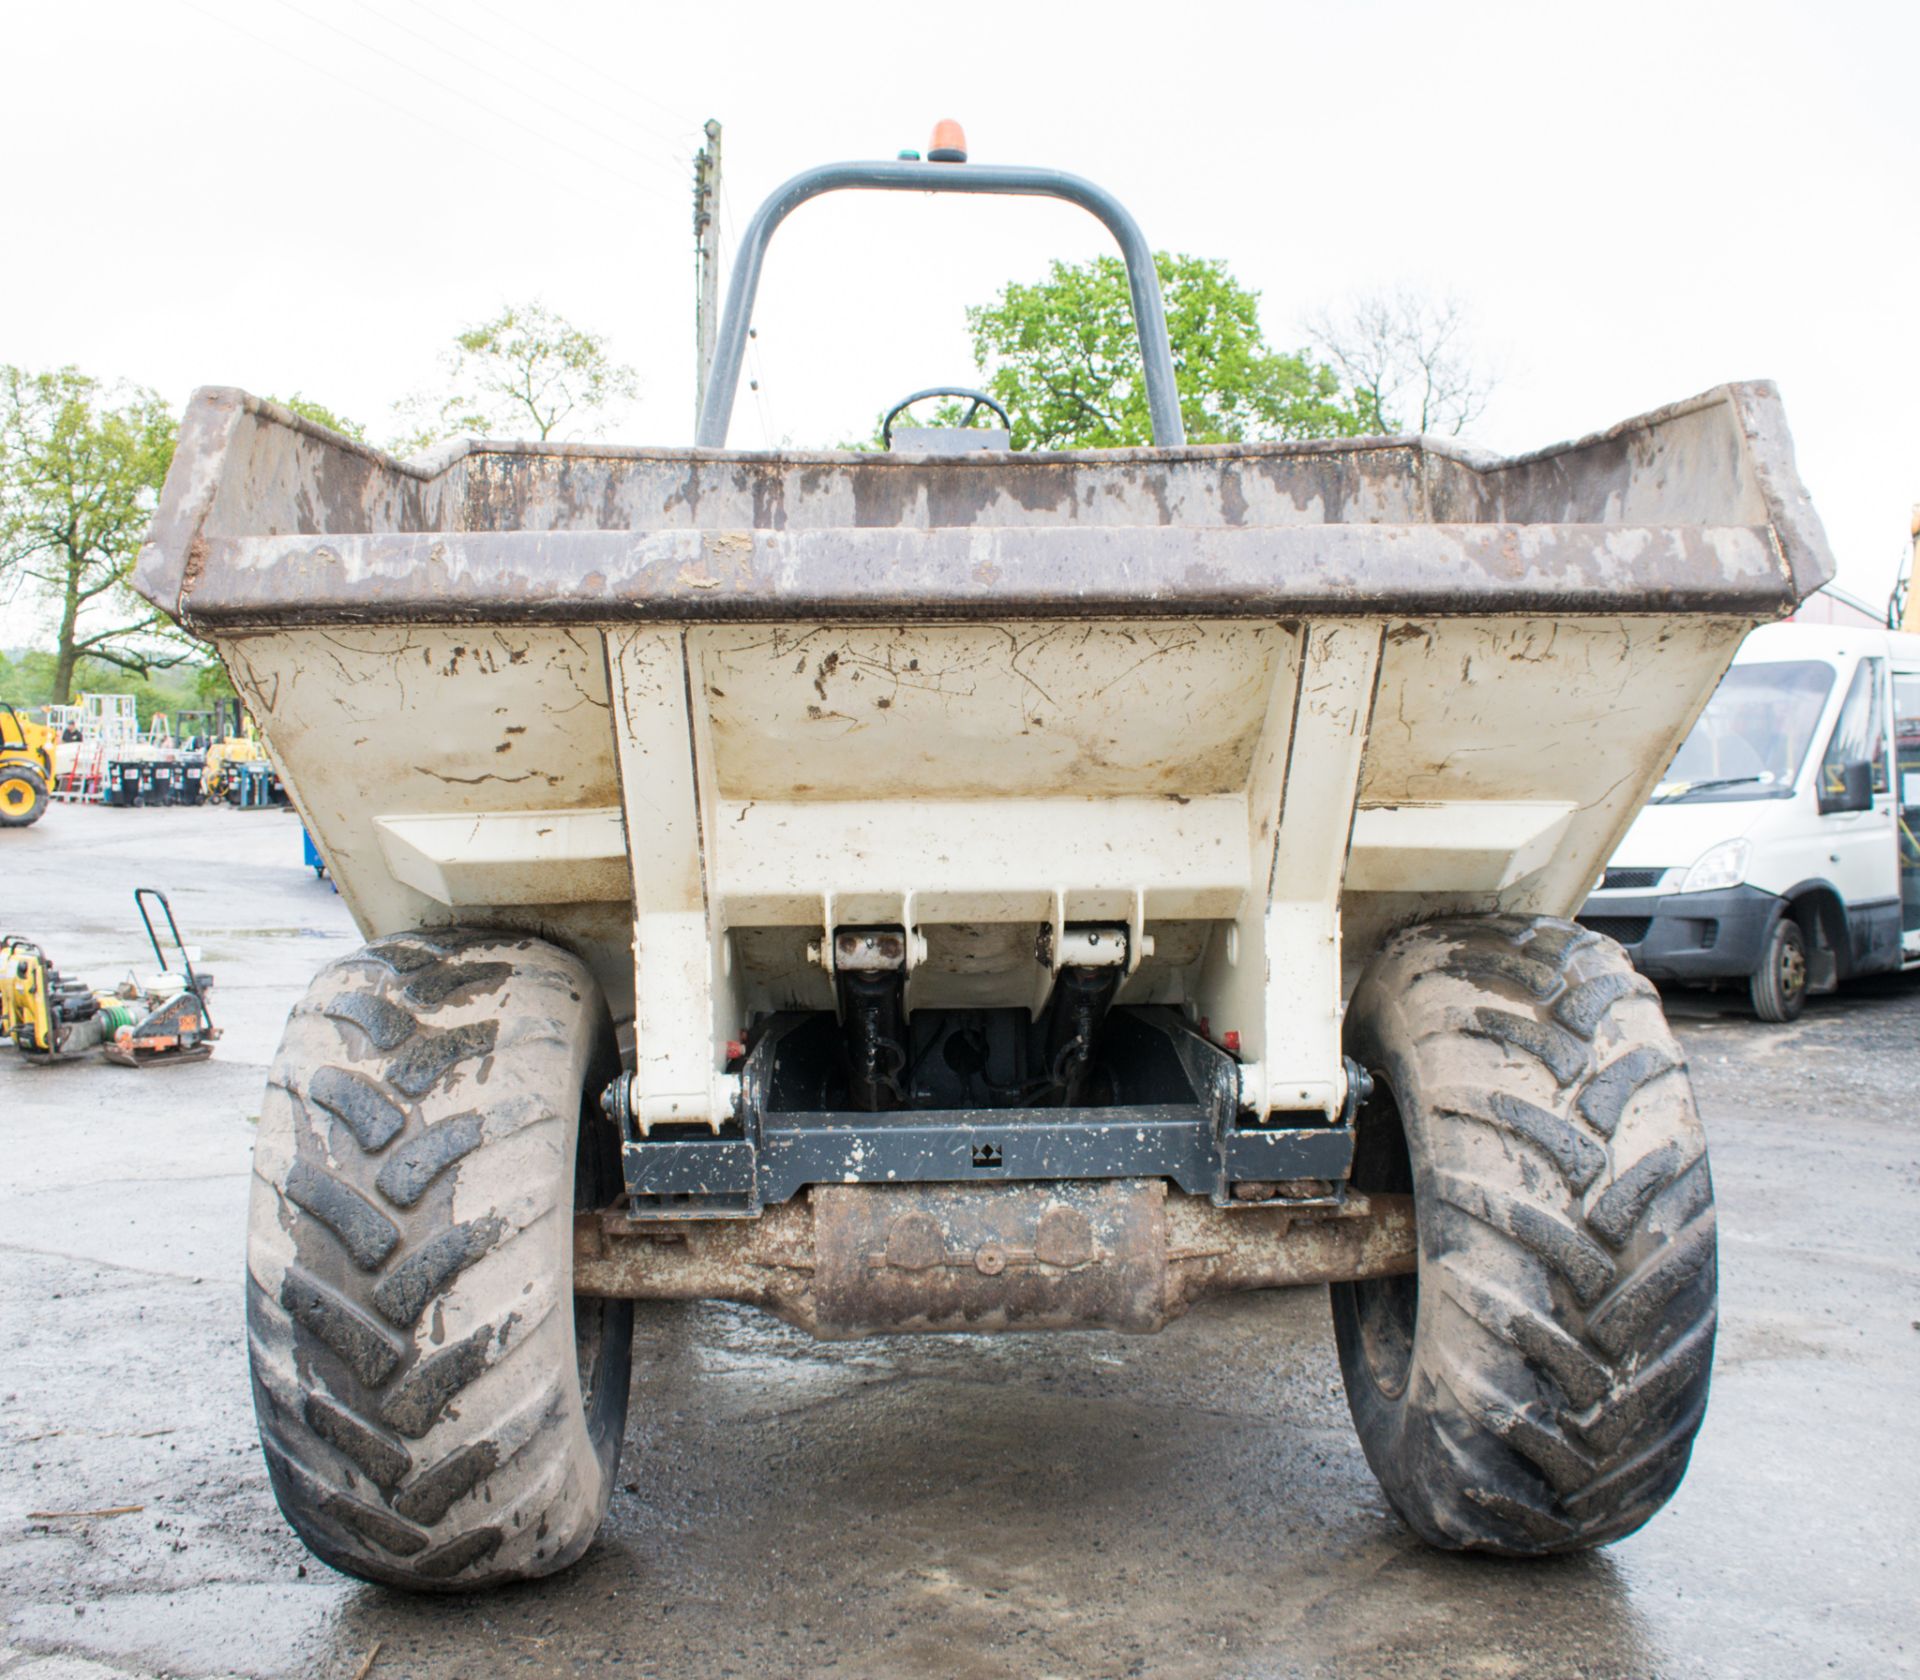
[957,888]
[160,1018]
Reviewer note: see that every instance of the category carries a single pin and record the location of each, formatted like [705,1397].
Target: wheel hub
[1793,969]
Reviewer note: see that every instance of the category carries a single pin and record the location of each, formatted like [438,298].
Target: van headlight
[1724,865]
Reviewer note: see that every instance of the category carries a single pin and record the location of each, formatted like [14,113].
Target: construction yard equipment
[176,1023]
[45,1014]
[162,1017]
[96,733]
[98,753]
[237,772]
[961,890]
[26,767]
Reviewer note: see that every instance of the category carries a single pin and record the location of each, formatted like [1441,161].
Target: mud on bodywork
[268,519]
[850,1261]
[686,710]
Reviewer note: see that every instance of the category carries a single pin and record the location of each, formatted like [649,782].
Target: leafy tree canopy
[1064,358]
[27,678]
[321,415]
[527,371]
[81,465]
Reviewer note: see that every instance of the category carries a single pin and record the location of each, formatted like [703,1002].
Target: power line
[640,154]
[333,75]
[508,82]
[461,93]
[684,125]
[678,147]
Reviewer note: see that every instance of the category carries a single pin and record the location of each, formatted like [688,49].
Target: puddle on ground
[274,933]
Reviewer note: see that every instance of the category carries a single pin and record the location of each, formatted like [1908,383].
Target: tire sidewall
[1394,1433]
[598,1181]
[1485,1438]
[574,1450]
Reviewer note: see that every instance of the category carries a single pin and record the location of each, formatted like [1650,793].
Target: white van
[1780,851]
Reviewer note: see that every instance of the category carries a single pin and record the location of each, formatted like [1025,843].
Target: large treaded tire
[436,1409]
[23,794]
[1537,1386]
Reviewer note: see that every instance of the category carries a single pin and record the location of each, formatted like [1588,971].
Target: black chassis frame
[1190,1131]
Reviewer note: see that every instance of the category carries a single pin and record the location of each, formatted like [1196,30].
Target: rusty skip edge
[844,1262]
[267,519]
[588,577]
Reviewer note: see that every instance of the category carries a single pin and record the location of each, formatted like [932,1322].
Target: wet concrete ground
[1186,1505]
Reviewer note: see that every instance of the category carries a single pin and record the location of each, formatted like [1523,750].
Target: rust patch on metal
[847,1261]
[1014,1257]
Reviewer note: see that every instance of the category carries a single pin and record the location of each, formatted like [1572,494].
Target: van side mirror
[1846,787]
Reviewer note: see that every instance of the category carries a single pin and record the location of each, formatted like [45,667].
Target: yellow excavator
[26,767]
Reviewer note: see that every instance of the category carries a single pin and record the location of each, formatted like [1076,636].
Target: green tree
[81,465]
[211,684]
[27,681]
[525,369]
[1064,358]
[321,415]
[26,676]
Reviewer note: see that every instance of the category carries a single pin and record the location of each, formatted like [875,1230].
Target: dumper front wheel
[1536,1386]
[436,1409]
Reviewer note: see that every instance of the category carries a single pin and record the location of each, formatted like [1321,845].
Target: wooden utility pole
[706,258]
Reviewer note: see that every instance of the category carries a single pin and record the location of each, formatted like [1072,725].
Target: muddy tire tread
[415,1366]
[1567,1306]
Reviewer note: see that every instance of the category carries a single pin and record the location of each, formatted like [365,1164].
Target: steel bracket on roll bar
[1019,180]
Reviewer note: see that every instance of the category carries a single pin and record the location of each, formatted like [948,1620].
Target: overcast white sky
[1637,201]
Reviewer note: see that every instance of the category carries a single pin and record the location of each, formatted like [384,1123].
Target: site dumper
[962,890]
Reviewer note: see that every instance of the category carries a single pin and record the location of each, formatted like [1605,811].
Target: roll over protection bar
[1020,180]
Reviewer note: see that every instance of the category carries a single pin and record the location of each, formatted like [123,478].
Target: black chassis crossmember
[1176,1116]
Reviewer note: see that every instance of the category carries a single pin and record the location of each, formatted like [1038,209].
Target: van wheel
[1779,985]
[1536,1384]
[437,1410]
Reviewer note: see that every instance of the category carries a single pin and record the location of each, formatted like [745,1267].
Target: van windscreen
[1753,736]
